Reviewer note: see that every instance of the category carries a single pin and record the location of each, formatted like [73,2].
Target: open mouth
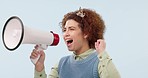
[69,42]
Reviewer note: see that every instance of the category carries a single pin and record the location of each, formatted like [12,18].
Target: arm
[54,72]
[42,74]
[39,65]
[106,67]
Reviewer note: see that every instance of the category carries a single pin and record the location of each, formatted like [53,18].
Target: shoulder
[64,59]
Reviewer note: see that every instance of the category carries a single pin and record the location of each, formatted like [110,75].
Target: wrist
[39,67]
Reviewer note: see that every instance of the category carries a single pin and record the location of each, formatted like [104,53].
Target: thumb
[42,56]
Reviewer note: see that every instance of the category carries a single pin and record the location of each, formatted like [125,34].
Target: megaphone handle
[35,60]
[40,47]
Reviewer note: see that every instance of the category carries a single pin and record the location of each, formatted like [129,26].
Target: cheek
[79,38]
[78,41]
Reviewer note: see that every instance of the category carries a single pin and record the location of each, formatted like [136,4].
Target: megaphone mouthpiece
[56,39]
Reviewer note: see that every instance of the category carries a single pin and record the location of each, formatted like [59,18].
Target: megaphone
[15,33]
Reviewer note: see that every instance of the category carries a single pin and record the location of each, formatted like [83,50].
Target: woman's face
[74,37]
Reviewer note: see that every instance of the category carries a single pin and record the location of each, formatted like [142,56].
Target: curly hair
[91,24]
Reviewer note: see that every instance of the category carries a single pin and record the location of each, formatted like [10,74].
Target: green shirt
[106,68]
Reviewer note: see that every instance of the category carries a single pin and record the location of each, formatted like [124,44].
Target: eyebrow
[64,28]
[69,27]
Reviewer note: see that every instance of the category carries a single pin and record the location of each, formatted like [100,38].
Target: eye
[72,29]
[64,29]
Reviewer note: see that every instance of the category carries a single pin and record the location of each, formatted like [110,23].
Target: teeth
[68,40]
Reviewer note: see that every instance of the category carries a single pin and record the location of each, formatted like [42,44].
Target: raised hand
[100,45]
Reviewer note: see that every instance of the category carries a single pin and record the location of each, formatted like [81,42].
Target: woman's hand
[100,46]
[39,66]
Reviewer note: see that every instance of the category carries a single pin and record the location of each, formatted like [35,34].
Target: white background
[126,33]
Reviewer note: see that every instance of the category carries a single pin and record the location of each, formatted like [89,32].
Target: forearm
[106,67]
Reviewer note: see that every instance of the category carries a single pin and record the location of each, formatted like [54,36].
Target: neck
[84,47]
[82,50]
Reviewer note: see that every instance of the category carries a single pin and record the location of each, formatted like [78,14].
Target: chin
[70,49]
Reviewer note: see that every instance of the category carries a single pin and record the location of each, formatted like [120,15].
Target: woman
[83,32]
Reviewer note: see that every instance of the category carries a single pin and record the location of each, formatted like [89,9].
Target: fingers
[36,47]
[100,45]
[34,54]
[97,44]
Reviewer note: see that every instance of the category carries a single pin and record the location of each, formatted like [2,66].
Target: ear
[85,35]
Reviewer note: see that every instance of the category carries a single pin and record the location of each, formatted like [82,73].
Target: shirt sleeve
[54,72]
[41,74]
[106,67]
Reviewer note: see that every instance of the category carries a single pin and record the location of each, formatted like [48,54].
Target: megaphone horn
[15,33]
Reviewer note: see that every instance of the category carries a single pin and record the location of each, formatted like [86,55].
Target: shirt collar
[83,55]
